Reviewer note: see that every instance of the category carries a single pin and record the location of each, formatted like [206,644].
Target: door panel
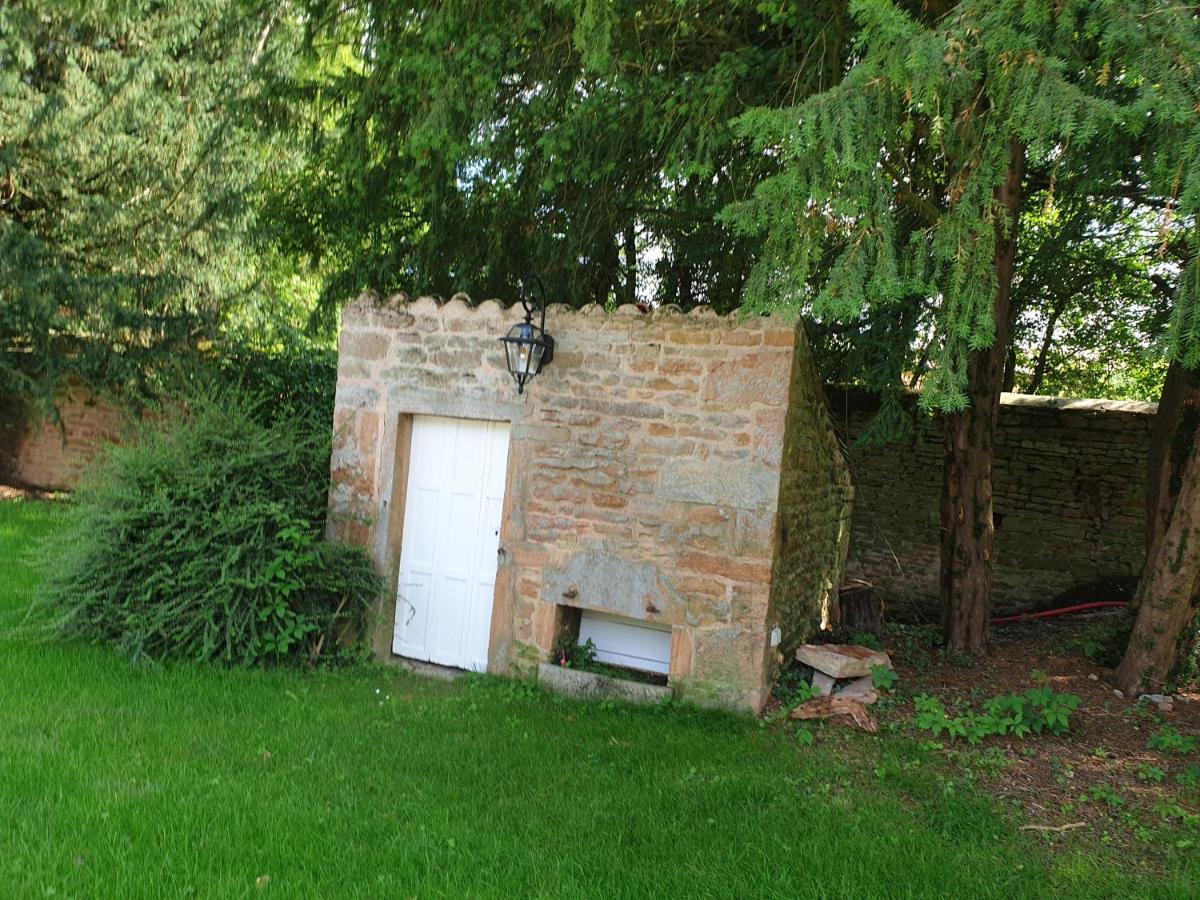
[454,503]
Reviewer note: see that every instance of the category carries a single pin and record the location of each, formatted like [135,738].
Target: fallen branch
[837,708]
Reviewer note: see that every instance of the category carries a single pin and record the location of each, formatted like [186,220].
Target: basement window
[628,644]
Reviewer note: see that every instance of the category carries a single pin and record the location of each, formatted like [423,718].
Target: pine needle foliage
[460,145]
[202,541]
[133,137]
[887,192]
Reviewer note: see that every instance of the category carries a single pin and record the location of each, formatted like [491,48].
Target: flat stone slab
[842,660]
[592,685]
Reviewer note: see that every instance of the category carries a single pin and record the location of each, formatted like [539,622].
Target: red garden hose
[1051,613]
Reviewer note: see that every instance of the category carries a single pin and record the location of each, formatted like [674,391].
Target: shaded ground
[1102,771]
[1102,775]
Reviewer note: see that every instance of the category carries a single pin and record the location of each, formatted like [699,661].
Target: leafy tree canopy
[1094,298]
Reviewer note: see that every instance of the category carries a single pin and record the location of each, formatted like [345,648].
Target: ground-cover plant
[794,685]
[1038,710]
[1168,740]
[202,539]
[883,678]
[1104,641]
[1151,773]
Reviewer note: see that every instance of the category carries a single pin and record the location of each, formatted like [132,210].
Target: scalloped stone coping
[462,304]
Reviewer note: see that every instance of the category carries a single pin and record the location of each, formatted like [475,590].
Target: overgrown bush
[295,380]
[202,539]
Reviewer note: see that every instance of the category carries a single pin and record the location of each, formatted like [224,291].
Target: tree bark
[1043,358]
[967,526]
[1162,475]
[1010,370]
[1167,593]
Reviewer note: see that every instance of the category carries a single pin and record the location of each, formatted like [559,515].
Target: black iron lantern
[526,345]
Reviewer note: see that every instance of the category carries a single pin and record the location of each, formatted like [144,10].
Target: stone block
[362,345]
[745,485]
[842,660]
[823,683]
[748,380]
[594,686]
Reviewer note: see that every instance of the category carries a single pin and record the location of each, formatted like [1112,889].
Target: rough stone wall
[816,501]
[643,473]
[1069,501]
[41,454]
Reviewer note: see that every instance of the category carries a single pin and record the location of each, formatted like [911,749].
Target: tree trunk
[629,241]
[967,527]
[1043,358]
[1167,595]
[1172,430]
[1010,370]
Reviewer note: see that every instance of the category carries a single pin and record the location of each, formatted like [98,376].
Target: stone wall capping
[458,305]
[461,303]
[863,398]
[424,304]
[1079,404]
[492,308]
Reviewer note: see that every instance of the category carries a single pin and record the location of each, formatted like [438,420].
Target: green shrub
[570,654]
[297,380]
[201,539]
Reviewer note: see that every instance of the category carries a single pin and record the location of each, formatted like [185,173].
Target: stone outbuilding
[670,486]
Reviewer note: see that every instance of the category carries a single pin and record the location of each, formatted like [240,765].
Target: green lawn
[118,782]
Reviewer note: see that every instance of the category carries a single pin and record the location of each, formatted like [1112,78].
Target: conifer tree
[1168,594]
[461,145]
[132,139]
[915,169]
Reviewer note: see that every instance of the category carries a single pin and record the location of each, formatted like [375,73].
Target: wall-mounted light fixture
[526,345]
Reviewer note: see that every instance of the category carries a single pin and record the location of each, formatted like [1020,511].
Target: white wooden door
[454,501]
